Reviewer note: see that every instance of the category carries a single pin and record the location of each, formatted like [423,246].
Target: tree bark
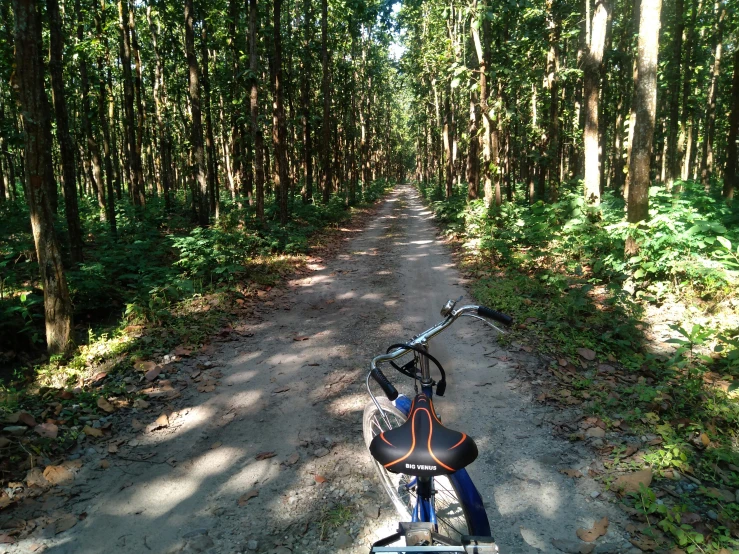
[672,163]
[646,100]
[592,71]
[129,128]
[66,147]
[480,21]
[160,112]
[279,129]
[256,130]
[307,192]
[196,131]
[87,131]
[29,83]
[212,164]
[326,124]
[710,128]
[730,173]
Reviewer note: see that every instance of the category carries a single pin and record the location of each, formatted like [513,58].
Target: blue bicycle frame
[469,497]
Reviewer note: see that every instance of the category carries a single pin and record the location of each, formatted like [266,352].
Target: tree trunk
[646,100]
[672,162]
[66,147]
[256,130]
[165,140]
[129,128]
[480,20]
[29,83]
[307,192]
[212,165]
[473,154]
[730,173]
[550,163]
[137,166]
[326,91]
[710,128]
[196,134]
[87,131]
[592,71]
[279,129]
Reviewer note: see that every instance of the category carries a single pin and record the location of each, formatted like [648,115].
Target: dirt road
[295,389]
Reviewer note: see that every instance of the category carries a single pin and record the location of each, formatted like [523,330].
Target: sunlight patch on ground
[348,403]
[392,329]
[422,242]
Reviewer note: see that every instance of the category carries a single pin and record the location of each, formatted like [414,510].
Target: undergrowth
[560,270]
[151,272]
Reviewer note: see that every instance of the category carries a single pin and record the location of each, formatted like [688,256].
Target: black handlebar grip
[492,314]
[387,387]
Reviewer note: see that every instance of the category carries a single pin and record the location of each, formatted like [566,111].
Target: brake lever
[501,331]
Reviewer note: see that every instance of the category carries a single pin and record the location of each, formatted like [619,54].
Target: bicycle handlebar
[420,340]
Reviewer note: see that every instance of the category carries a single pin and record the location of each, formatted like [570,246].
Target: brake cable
[406,369]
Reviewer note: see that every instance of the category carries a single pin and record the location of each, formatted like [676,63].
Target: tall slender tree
[592,72]
[196,130]
[645,90]
[29,83]
[66,147]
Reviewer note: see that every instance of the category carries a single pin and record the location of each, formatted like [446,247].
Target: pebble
[713,515]
[342,539]
[252,545]
[594,494]
[320,452]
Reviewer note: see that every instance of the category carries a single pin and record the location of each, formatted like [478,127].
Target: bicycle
[420,463]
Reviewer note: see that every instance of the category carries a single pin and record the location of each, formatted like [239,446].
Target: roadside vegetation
[646,346]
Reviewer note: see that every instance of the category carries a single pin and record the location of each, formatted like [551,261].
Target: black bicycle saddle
[422,446]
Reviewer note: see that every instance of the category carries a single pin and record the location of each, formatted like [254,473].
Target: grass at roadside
[651,394]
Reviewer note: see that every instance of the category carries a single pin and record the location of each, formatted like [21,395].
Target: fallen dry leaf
[104,405]
[137,425]
[145,365]
[153,373]
[47,430]
[65,522]
[104,464]
[140,404]
[586,353]
[161,422]
[293,459]
[182,351]
[26,419]
[631,481]
[35,478]
[320,479]
[91,431]
[112,448]
[5,500]
[57,475]
[575,473]
[283,389]
[207,387]
[215,445]
[298,339]
[244,498]
[599,529]
[6,539]
[265,455]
